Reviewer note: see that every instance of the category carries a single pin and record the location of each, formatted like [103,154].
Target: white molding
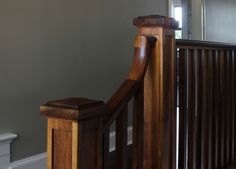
[34,162]
[7,137]
[197,19]
[5,140]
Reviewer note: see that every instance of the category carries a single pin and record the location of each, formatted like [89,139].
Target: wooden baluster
[233,84]
[138,148]
[217,106]
[182,160]
[90,145]
[106,148]
[228,110]
[213,115]
[121,139]
[203,109]
[234,101]
[210,117]
[198,113]
[231,132]
[222,108]
[191,83]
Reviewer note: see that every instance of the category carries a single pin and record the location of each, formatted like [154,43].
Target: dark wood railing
[132,88]
[201,135]
[206,104]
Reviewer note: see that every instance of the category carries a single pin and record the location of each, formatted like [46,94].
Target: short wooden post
[159,94]
[74,133]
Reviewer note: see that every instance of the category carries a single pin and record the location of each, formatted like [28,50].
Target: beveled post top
[156,21]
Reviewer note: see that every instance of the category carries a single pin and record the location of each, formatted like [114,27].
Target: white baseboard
[5,141]
[34,162]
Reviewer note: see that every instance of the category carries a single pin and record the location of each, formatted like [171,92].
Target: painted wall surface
[220,20]
[51,49]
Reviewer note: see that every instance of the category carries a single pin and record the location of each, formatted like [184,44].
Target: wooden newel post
[74,133]
[159,151]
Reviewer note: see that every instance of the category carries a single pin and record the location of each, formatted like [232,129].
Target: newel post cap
[156,21]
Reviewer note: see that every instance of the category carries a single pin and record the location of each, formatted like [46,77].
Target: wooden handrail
[185,43]
[118,103]
[143,46]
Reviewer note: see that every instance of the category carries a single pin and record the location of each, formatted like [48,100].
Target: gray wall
[52,49]
[220,20]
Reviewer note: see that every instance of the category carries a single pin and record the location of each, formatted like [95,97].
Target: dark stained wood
[121,139]
[191,120]
[216,110]
[204,98]
[222,109]
[74,109]
[169,102]
[210,115]
[106,145]
[233,104]
[228,108]
[182,43]
[143,46]
[232,109]
[138,122]
[198,108]
[62,155]
[156,21]
[211,74]
[182,108]
[90,144]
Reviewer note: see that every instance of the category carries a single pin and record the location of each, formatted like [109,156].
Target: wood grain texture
[156,21]
[207,105]
[75,143]
[138,130]
[121,139]
[60,132]
[160,100]
[74,109]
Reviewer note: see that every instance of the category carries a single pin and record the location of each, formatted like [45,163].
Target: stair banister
[78,128]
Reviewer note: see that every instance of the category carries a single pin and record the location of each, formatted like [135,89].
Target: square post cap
[156,21]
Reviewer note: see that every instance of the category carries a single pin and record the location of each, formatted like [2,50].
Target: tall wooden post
[159,149]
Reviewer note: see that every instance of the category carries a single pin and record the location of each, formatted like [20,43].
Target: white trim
[5,140]
[204,20]
[7,137]
[34,162]
[197,19]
